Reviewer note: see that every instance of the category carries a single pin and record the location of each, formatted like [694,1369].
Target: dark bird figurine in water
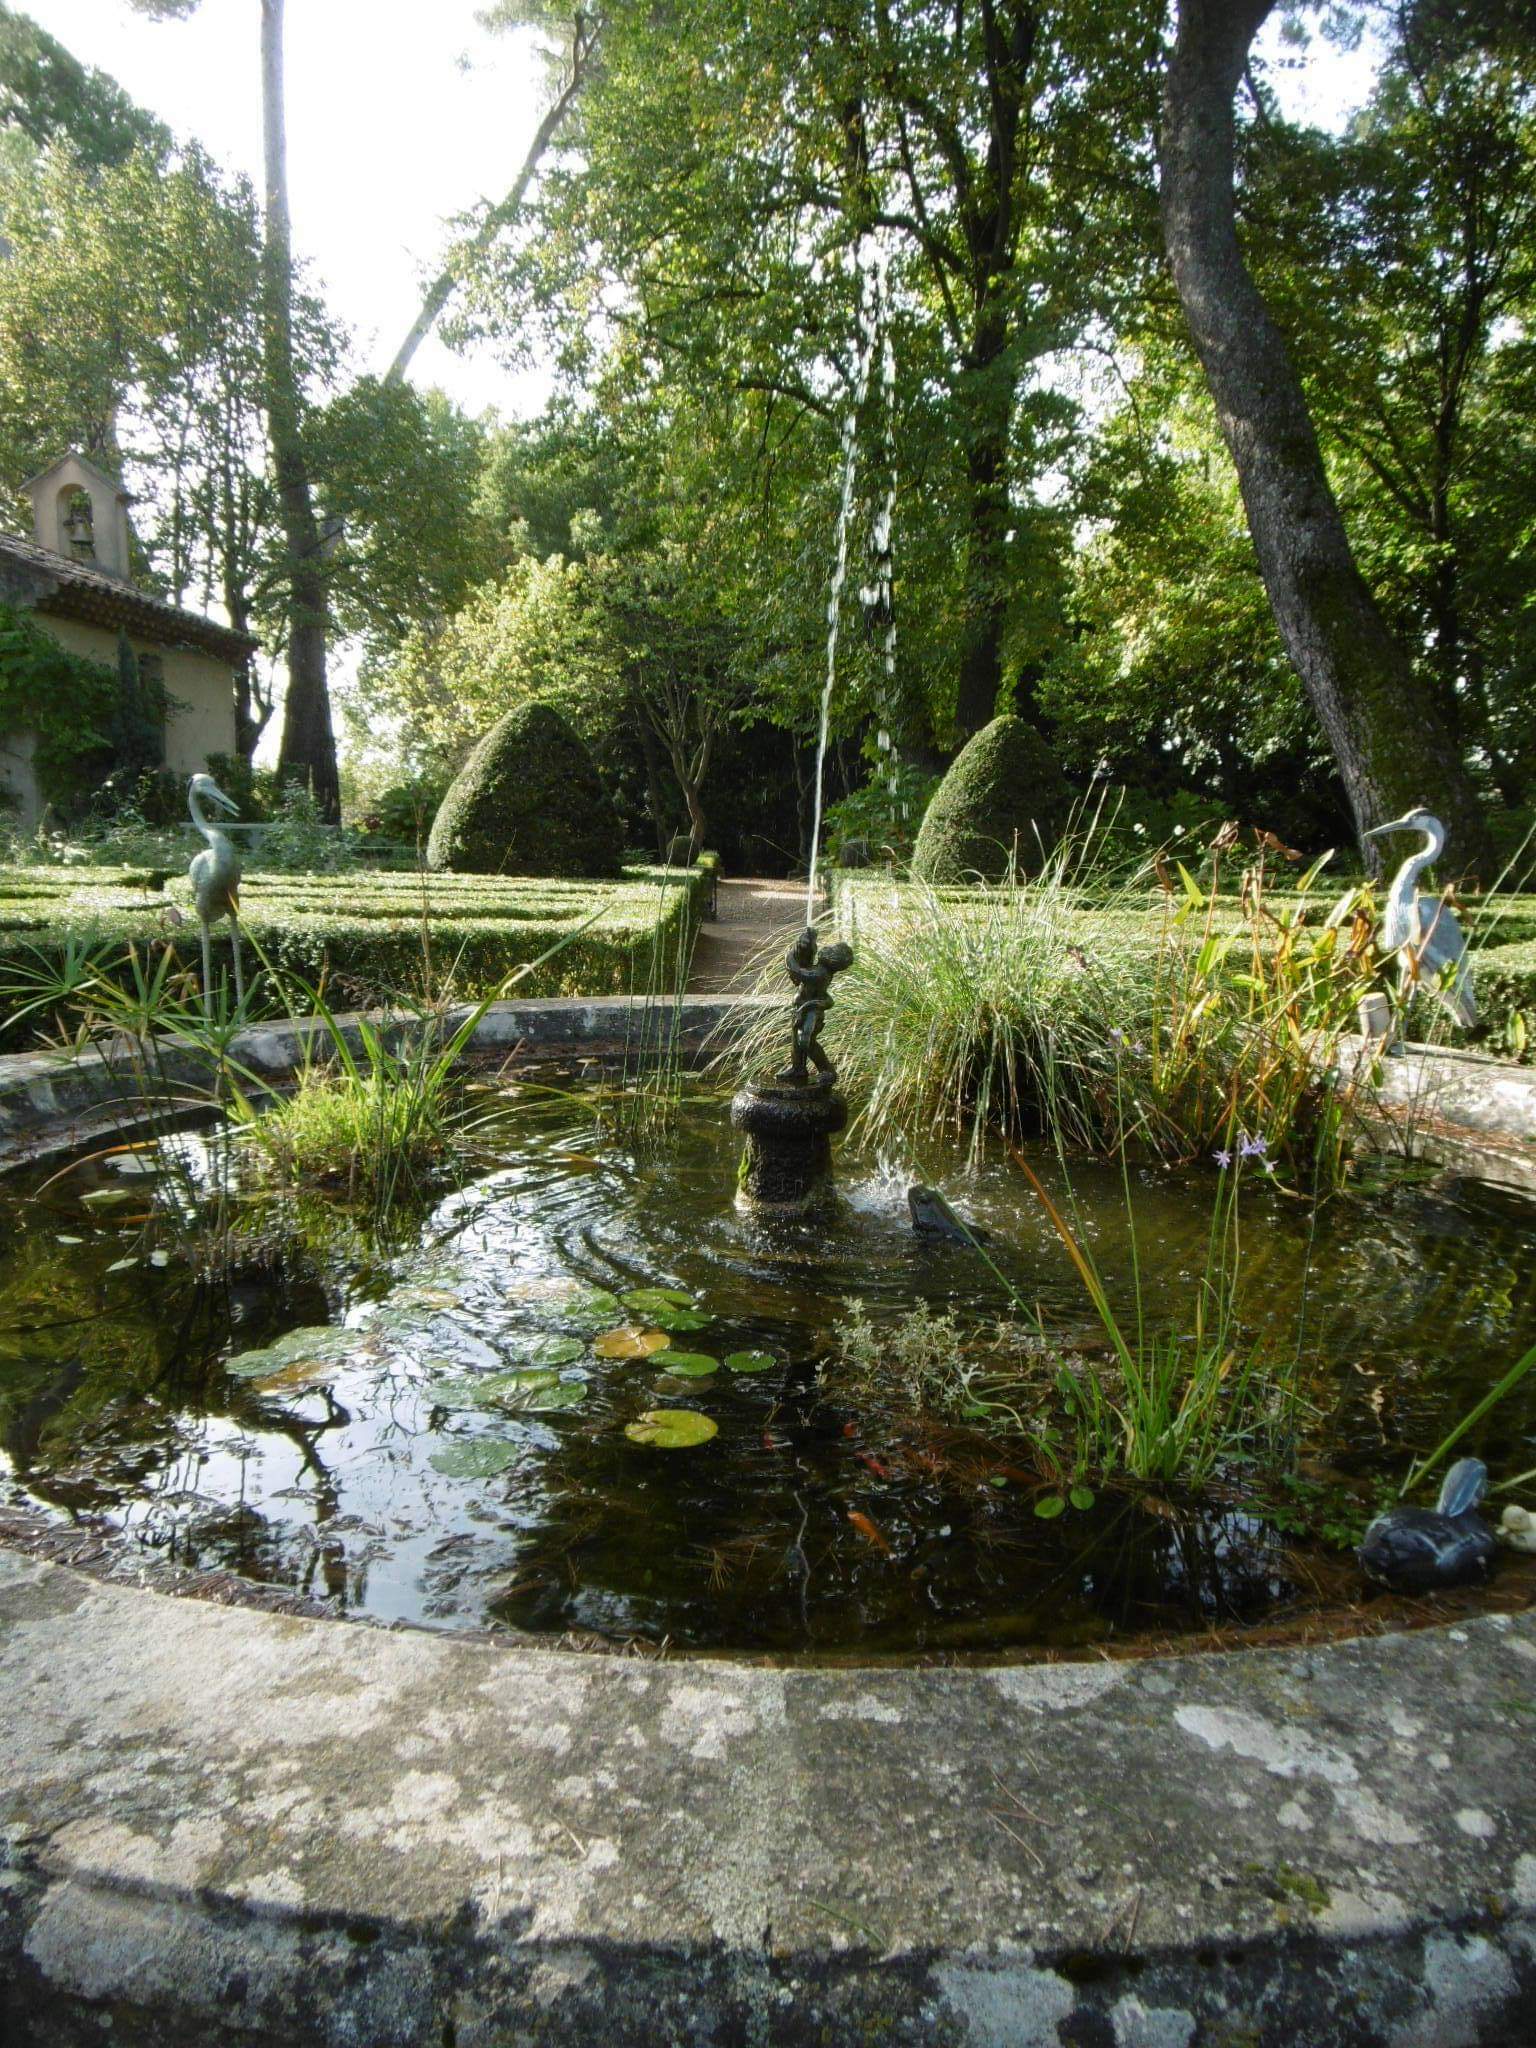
[932,1216]
[1418,1550]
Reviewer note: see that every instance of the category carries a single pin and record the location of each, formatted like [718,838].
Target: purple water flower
[1222,1159]
[1253,1148]
[1117,1036]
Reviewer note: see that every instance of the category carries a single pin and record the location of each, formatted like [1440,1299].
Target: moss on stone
[528,801]
[1002,806]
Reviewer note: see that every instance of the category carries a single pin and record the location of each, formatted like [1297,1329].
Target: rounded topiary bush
[528,801]
[1002,801]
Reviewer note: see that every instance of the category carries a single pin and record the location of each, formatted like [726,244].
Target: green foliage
[71,704]
[1000,810]
[1100,1008]
[365,938]
[528,801]
[883,819]
[50,96]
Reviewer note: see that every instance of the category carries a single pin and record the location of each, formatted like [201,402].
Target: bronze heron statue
[215,877]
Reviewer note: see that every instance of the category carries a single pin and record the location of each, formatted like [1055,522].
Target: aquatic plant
[1184,1403]
[1104,1004]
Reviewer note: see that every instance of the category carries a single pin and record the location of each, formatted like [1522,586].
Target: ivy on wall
[79,710]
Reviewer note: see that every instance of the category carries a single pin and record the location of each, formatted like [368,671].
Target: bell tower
[80,512]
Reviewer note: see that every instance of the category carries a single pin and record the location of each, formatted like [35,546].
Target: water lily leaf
[321,1341]
[1081,1498]
[304,1372]
[646,1300]
[553,1350]
[1049,1506]
[593,1305]
[998,1479]
[692,1365]
[671,1429]
[631,1343]
[563,1394]
[681,1318]
[750,1361]
[427,1297]
[480,1458]
[110,1198]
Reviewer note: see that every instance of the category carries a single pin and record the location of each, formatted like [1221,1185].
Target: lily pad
[593,1305]
[426,1297]
[647,1300]
[1049,1506]
[750,1361]
[671,1429]
[322,1342]
[563,1394]
[481,1457]
[692,1365]
[552,1350]
[631,1343]
[111,1198]
[681,1318]
[534,1390]
[1081,1498]
[304,1372]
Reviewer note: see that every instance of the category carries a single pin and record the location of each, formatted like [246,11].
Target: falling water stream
[877,595]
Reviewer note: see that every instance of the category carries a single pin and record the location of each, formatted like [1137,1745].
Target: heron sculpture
[215,878]
[1422,931]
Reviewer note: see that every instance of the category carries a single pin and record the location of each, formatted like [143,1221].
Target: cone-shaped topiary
[528,801]
[1003,799]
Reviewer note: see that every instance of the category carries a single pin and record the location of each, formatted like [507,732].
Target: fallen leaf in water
[631,1343]
[671,1429]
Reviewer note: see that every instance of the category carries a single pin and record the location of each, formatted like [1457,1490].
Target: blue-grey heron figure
[1422,931]
[215,878]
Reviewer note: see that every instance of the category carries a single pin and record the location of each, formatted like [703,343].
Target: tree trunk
[308,749]
[1391,744]
[986,475]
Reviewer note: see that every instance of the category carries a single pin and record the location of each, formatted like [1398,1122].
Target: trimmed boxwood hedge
[376,937]
[1001,807]
[528,801]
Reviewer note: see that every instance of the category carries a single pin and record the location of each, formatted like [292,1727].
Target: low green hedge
[372,938]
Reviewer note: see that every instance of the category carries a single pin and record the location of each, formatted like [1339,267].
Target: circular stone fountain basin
[219,1824]
[587,1396]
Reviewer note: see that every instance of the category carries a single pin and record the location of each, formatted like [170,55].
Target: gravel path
[752,918]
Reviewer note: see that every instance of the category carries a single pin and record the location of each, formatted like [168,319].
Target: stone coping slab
[69,1095]
[220,1825]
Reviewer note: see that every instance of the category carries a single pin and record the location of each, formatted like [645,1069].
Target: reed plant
[1105,1004]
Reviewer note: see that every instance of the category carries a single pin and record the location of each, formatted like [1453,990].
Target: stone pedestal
[787,1167]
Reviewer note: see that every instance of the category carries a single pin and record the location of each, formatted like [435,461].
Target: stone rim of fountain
[217,1816]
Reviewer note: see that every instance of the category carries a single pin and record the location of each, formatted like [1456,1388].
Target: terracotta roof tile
[77,591]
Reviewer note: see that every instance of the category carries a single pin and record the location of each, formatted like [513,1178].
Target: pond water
[305,1407]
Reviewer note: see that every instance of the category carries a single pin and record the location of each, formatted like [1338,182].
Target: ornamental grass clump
[1102,1005]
